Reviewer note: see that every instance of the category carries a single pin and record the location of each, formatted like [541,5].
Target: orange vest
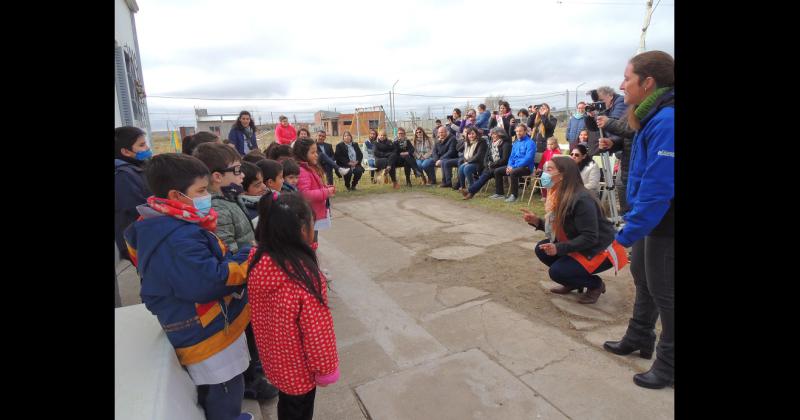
[615,253]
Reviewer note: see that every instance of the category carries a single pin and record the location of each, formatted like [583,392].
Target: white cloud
[305,49]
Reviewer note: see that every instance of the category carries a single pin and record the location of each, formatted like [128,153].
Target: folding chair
[535,183]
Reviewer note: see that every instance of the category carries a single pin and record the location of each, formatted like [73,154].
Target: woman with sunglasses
[590,172]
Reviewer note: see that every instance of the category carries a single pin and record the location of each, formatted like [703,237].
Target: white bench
[149,382]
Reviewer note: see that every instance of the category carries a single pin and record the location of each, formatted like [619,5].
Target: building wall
[125,36]
[225,127]
[117,112]
[123,29]
[360,131]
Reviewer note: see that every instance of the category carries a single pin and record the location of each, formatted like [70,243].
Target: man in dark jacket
[622,142]
[130,186]
[326,160]
[615,108]
[443,150]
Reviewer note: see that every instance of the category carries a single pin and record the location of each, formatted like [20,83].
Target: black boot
[259,389]
[650,380]
[624,347]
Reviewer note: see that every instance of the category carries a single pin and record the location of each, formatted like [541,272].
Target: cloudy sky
[265,54]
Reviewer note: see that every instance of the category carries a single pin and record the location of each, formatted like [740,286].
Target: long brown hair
[538,121]
[656,64]
[301,148]
[568,189]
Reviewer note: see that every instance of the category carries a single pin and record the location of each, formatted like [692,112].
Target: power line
[264,99]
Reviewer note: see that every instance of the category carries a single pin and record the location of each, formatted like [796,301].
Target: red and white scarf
[185,212]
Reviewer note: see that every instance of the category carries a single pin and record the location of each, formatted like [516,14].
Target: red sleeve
[319,339]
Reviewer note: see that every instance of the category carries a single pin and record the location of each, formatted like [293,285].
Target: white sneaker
[344,171]
[511,198]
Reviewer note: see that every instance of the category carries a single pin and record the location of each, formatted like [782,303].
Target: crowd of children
[225,246]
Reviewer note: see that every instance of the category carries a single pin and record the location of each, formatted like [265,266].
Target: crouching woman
[580,239]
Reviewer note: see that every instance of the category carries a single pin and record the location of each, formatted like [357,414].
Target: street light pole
[576,94]
[394,113]
[647,16]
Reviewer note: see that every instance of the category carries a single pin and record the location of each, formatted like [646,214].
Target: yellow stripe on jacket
[216,343]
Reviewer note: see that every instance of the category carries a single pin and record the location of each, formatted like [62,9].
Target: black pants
[296,407]
[382,163]
[354,175]
[653,269]
[408,163]
[222,401]
[250,374]
[567,271]
[513,180]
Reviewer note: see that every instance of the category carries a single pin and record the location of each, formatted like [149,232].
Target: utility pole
[576,94]
[646,25]
[271,117]
[567,96]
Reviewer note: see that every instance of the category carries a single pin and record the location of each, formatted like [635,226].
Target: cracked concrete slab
[588,385]
[572,307]
[373,259]
[531,345]
[457,295]
[457,253]
[465,385]
[418,299]
[614,333]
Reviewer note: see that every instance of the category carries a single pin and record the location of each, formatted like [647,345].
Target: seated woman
[590,172]
[423,147]
[580,239]
[386,156]
[348,155]
[369,146]
[552,149]
[405,157]
[497,155]
[474,154]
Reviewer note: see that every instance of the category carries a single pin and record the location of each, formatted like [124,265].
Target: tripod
[609,192]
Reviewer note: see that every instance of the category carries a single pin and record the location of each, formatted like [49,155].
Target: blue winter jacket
[190,282]
[482,120]
[651,176]
[522,153]
[238,138]
[574,128]
[130,190]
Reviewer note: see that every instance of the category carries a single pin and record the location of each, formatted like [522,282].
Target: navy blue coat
[238,139]
[130,190]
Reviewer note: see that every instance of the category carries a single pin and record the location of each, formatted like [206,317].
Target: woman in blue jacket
[649,225]
[243,134]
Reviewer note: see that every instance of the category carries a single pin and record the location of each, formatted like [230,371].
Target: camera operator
[543,127]
[454,122]
[622,142]
[615,108]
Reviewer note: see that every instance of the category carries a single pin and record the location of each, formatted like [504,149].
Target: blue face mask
[578,115]
[202,204]
[546,180]
[144,155]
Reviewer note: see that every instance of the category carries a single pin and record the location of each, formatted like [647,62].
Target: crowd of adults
[484,145]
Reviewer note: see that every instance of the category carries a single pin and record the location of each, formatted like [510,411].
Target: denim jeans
[428,167]
[222,401]
[447,169]
[484,178]
[566,271]
[466,172]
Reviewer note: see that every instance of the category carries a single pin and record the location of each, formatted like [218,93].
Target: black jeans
[222,401]
[513,179]
[354,175]
[382,163]
[296,407]
[566,271]
[408,163]
[653,269]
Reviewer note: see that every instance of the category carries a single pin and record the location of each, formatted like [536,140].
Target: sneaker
[496,196]
[344,171]
[511,198]
[245,416]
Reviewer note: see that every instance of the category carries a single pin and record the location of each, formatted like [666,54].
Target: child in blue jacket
[192,283]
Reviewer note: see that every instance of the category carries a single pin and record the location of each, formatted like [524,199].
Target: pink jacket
[285,135]
[313,189]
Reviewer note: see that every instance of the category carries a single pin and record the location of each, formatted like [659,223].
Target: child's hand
[325,380]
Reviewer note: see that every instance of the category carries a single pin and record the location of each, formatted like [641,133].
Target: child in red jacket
[552,149]
[290,315]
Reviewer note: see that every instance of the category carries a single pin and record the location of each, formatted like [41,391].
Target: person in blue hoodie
[130,187]
[520,164]
[192,283]
[649,228]
[482,120]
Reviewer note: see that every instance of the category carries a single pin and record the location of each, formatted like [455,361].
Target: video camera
[596,104]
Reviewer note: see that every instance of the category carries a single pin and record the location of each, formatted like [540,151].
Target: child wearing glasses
[235,229]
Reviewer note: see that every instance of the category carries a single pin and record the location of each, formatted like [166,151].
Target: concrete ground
[441,311]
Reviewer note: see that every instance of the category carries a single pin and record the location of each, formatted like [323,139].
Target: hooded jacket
[233,222]
[313,189]
[651,175]
[294,331]
[191,282]
[130,190]
[285,135]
